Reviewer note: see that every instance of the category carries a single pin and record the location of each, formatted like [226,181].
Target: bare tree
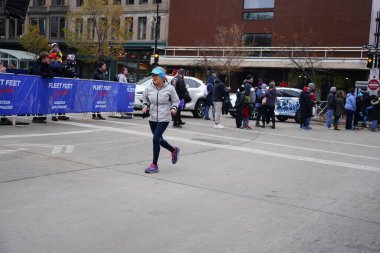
[300,54]
[227,56]
[97,31]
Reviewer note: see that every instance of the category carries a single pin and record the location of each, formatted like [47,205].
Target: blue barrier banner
[25,94]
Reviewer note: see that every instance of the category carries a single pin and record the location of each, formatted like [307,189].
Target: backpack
[208,89]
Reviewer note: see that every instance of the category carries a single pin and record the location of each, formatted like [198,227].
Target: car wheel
[297,117]
[282,118]
[199,109]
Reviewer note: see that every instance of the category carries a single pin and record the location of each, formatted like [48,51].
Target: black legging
[177,117]
[158,129]
[269,114]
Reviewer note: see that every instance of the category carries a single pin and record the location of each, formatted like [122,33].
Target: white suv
[195,87]
[287,105]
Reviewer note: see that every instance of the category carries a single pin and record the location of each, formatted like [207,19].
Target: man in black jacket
[180,88]
[41,68]
[99,74]
[306,108]
[220,92]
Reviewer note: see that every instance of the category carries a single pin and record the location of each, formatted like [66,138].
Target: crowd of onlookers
[361,107]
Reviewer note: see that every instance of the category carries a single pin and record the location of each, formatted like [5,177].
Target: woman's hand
[145,109]
[173,111]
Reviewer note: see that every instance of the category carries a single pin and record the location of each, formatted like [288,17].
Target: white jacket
[160,102]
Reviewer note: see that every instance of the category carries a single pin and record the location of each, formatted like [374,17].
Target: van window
[291,93]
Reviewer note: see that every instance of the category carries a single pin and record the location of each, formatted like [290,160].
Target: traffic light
[370,61]
[156,57]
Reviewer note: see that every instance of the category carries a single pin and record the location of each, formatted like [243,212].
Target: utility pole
[156,53]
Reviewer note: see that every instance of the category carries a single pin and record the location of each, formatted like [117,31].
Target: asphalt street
[79,186]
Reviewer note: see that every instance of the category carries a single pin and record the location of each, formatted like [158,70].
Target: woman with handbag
[161,100]
[269,102]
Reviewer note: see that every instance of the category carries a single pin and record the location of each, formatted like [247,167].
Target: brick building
[277,23]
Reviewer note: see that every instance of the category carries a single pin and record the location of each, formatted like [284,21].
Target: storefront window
[258,4]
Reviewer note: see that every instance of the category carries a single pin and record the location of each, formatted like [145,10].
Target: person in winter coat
[350,107]
[375,113]
[42,68]
[162,101]
[306,108]
[239,106]
[339,108]
[330,106]
[99,74]
[250,99]
[367,107]
[359,113]
[260,94]
[271,97]
[209,103]
[180,88]
[69,67]
[218,97]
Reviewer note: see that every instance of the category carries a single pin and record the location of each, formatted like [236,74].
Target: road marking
[255,141]
[234,148]
[56,149]
[46,134]
[300,137]
[7,151]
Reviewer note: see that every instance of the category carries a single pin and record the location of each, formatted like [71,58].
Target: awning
[20,55]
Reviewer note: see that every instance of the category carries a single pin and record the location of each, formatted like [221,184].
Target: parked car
[287,105]
[195,87]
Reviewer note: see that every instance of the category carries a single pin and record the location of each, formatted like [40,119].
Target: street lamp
[156,54]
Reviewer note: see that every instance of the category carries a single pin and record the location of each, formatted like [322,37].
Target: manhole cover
[211,141]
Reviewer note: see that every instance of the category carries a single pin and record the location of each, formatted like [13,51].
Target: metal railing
[267,52]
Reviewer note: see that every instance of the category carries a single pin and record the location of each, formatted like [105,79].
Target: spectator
[2,68]
[260,94]
[55,50]
[219,95]
[239,104]
[250,99]
[359,113]
[350,107]
[367,107]
[42,68]
[338,109]
[209,92]
[69,67]
[180,88]
[375,113]
[161,100]
[99,74]
[306,108]
[271,97]
[56,67]
[330,106]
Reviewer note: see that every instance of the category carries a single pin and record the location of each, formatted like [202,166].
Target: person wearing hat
[250,97]
[161,101]
[55,50]
[260,94]
[99,74]
[271,97]
[41,67]
[306,108]
[330,106]
[180,88]
[218,96]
